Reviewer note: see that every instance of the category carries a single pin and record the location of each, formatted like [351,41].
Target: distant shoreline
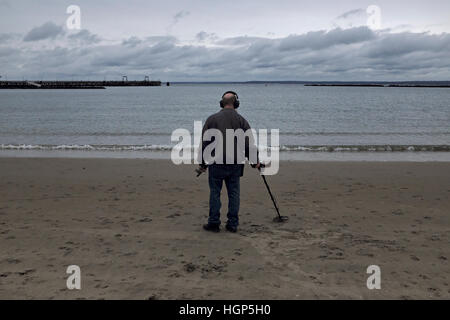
[75,84]
[376,85]
[425,84]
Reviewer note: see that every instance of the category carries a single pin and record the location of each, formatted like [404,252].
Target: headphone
[236,101]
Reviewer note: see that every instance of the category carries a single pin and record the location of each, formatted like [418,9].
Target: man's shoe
[231,229]
[211,227]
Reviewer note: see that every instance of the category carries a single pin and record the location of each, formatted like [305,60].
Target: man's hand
[201,169]
[258,165]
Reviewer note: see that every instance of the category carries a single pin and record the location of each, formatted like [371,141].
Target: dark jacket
[228,119]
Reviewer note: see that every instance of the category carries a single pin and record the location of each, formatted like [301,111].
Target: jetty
[76,84]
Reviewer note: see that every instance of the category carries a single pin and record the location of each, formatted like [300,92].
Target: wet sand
[134,228]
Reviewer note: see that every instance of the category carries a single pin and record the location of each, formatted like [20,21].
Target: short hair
[229,99]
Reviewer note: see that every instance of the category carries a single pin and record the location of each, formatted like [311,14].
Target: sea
[314,123]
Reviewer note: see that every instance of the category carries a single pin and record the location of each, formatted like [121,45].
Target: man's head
[230,99]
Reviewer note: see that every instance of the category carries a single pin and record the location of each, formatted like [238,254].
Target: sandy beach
[134,228]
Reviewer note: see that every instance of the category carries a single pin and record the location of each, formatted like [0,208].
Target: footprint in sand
[26,272]
[13,261]
[189,267]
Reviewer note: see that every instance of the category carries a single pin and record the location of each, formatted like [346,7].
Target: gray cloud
[158,39]
[177,18]
[48,30]
[7,37]
[84,37]
[131,41]
[180,15]
[6,52]
[351,18]
[321,39]
[205,36]
[351,13]
[350,54]
[241,41]
[5,4]
[400,44]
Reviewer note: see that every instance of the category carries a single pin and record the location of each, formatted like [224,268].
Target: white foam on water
[288,148]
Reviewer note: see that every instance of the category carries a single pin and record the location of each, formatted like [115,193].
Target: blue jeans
[230,173]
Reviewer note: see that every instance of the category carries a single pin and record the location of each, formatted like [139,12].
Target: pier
[76,84]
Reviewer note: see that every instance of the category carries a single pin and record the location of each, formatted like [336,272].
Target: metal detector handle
[199,172]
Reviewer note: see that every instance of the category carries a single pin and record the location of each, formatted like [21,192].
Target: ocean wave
[284,148]
[168,134]
[86,147]
[368,148]
[362,133]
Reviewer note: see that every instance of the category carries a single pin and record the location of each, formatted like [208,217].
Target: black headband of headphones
[236,101]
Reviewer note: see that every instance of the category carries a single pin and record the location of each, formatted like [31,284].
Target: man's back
[229,119]
[226,119]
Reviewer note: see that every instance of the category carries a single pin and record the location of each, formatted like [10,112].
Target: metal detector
[278,218]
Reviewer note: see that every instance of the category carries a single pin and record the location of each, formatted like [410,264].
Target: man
[227,118]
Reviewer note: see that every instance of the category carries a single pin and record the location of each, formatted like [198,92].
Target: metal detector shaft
[271,196]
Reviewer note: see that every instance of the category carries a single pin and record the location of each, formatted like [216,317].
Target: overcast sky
[208,40]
